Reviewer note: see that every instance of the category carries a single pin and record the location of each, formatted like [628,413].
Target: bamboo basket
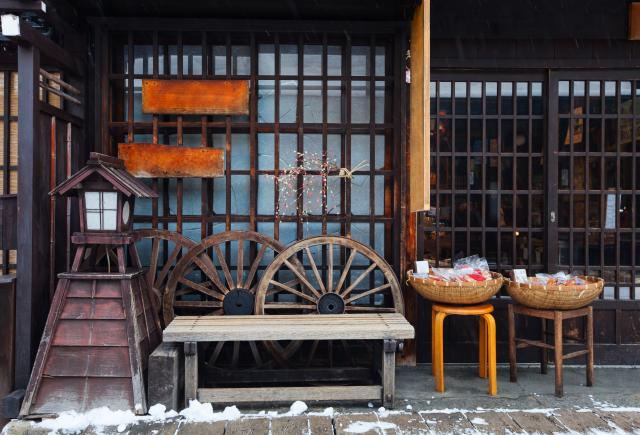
[556,297]
[463,293]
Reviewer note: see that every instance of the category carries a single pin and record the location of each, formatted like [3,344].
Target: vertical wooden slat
[419,100]
[33,274]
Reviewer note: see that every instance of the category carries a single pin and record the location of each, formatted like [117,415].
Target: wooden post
[557,326]
[33,232]
[389,372]
[590,357]
[513,369]
[7,344]
[165,375]
[190,372]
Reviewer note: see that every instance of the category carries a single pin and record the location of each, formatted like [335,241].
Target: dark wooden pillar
[32,298]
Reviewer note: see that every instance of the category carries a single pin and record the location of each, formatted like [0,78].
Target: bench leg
[388,372]
[190,372]
[482,348]
[590,357]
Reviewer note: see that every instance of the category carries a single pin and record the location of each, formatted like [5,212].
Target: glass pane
[522,98]
[445,98]
[312,101]
[610,100]
[626,102]
[461,98]
[380,61]
[595,100]
[93,220]
[110,200]
[289,59]
[266,101]
[219,60]
[240,60]
[360,60]
[110,220]
[266,59]
[288,100]
[360,109]
[564,100]
[334,60]
[475,92]
[491,91]
[506,98]
[380,101]
[578,97]
[536,94]
[334,101]
[92,200]
[312,64]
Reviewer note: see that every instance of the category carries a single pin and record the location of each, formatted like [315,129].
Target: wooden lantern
[102,324]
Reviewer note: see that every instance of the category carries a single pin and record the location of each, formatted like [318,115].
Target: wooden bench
[389,328]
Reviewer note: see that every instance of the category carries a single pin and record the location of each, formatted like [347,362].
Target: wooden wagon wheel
[365,284]
[204,282]
[175,244]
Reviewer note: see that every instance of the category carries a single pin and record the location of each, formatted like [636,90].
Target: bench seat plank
[375,326]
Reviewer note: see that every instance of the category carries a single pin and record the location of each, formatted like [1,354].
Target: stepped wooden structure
[103,323]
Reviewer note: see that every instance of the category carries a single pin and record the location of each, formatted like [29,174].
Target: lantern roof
[112,170]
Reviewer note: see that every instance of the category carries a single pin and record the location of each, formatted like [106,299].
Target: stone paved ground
[611,406]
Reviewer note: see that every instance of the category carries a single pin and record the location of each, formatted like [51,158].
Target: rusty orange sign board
[196,97]
[146,160]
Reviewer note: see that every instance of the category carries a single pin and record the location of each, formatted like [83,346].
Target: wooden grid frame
[122,125]
[453,111]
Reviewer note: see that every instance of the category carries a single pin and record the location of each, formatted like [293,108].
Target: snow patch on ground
[367,426]
[75,422]
[297,408]
[479,421]
[204,412]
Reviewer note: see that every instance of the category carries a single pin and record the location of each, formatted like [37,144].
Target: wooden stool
[557,316]
[487,334]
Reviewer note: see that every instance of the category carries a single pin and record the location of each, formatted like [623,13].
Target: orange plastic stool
[487,363]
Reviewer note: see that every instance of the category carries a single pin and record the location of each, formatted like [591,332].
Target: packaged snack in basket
[473,262]
[560,278]
[463,274]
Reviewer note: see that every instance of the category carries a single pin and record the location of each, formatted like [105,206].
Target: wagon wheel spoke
[223,264]
[198,304]
[153,265]
[201,288]
[301,277]
[293,291]
[167,266]
[367,293]
[345,270]
[210,271]
[216,353]
[316,273]
[240,265]
[233,294]
[330,268]
[255,265]
[358,280]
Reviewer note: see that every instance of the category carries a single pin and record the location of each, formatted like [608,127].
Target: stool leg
[439,354]
[557,325]
[590,356]
[482,348]
[491,350]
[513,370]
[543,351]
[433,341]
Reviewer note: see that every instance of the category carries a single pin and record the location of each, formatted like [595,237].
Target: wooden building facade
[533,136]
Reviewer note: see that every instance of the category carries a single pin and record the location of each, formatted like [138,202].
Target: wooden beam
[22,33]
[148,160]
[290,394]
[419,117]
[19,6]
[33,204]
[196,97]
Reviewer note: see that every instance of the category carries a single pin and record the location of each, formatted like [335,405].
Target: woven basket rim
[591,281]
[471,284]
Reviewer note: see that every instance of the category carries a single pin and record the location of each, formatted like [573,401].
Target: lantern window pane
[93,220]
[92,200]
[109,200]
[109,220]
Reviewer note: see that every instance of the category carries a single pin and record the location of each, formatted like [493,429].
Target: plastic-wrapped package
[473,262]
[560,278]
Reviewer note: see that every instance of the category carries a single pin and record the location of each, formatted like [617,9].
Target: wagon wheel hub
[331,303]
[238,302]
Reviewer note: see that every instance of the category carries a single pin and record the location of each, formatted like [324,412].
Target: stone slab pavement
[612,405]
